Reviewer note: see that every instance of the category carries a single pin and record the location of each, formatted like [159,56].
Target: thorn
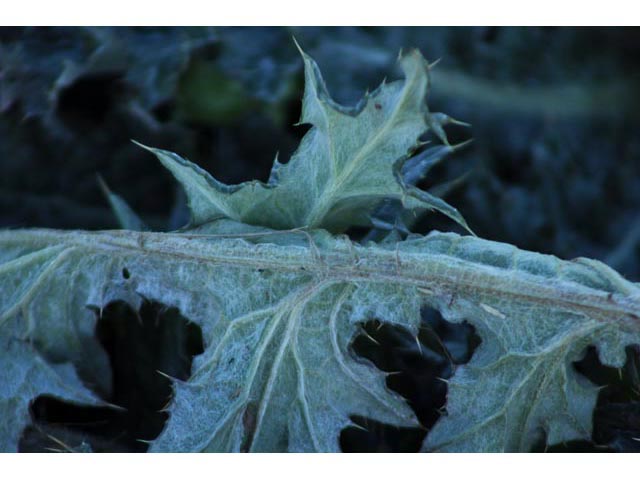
[419,346]
[364,332]
[442,119]
[59,442]
[150,149]
[166,407]
[444,380]
[425,290]
[166,375]
[493,311]
[461,145]
[302,52]
[359,427]
[148,442]
[115,407]
[433,64]
[397,258]
[458,122]
[394,373]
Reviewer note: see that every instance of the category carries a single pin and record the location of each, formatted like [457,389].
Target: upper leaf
[345,165]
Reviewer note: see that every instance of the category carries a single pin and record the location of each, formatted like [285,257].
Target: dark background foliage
[554,167]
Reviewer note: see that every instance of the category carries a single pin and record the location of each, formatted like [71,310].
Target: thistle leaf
[345,165]
[279,310]
[35,351]
[277,373]
[26,375]
[521,385]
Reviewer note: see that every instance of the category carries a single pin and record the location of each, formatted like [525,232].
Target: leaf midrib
[328,196]
[441,274]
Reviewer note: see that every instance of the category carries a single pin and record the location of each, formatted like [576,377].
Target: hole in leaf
[125,273]
[371,436]
[616,418]
[418,368]
[58,425]
[140,345]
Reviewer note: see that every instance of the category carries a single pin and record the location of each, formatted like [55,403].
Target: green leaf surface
[26,375]
[278,312]
[348,162]
[521,385]
[127,218]
[42,348]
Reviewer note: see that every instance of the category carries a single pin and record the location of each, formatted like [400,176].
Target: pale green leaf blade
[346,164]
[24,376]
[39,290]
[209,199]
[295,393]
[127,218]
[277,373]
[278,311]
[27,273]
[521,386]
